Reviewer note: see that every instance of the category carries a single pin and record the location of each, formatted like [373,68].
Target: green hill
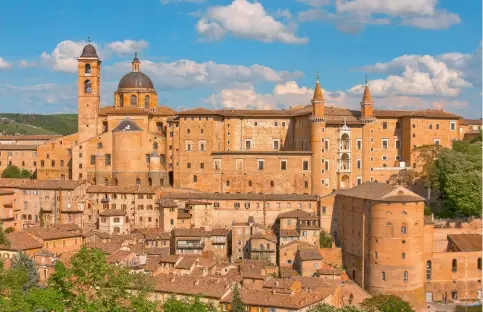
[11,124]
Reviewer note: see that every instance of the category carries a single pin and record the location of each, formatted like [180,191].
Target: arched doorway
[344,181]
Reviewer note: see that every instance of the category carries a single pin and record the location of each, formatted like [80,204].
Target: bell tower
[88,92]
[367,105]
[317,129]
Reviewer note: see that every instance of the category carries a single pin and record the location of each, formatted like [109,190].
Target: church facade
[312,149]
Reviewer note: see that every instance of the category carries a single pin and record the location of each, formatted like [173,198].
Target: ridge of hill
[27,124]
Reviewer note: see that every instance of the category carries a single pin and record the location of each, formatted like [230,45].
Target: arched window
[479,264]
[121,101]
[146,101]
[455,265]
[150,181]
[88,68]
[106,182]
[388,229]
[155,145]
[195,178]
[383,276]
[404,213]
[134,100]
[404,229]
[428,270]
[138,181]
[406,276]
[87,86]
[114,182]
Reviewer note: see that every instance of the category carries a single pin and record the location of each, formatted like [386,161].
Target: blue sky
[418,54]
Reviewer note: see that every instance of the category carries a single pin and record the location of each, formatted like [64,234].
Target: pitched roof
[127,125]
[197,111]
[428,113]
[112,213]
[42,137]
[229,196]
[186,262]
[6,192]
[307,254]
[51,233]
[22,241]
[287,271]
[366,97]
[267,236]
[17,147]
[39,184]
[289,233]
[298,214]
[183,214]
[167,203]
[126,189]
[466,242]
[118,256]
[219,232]
[464,121]
[207,287]
[193,232]
[158,111]
[381,192]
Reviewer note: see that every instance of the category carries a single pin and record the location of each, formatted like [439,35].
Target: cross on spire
[88,39]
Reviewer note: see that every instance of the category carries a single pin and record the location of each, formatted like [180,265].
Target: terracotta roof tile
[112,213]
[118,256]
[17,147]
[22,241]
[207,287]
[380,192]
[187,262]
[227,196]
[267,236]
[464,121]
[51,233]
[286,272]
[167,203]
[158,111]
[39,184]
[289,233]
[219,232]
[307,254]
[183,214]
[43,137]
[126,189]
[298,214]
[429,113]
[193,232]
[466,242]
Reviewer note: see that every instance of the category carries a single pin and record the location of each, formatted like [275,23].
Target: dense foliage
[14,172]
[89,285]
[325,239]
[386,303]
[38,124]
[323,307]
[455,174]
[236,302]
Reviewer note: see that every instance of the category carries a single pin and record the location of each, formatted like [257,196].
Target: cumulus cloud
[184,74]
[469,64]
[127,46]
[421,75]
[26,63]
[283,95]
[246,20]
[4,64]
[46,93]
[351,16]
[64,57]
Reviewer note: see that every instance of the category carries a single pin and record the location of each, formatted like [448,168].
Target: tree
[187,305]
[23,261]
[3,236]
[386,303]
[91,284]
[323,307]
[25,174]
[325,239]
[11,171]
[236,302]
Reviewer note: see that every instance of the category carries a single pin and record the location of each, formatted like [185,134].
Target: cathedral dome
[89,51]
[135,79]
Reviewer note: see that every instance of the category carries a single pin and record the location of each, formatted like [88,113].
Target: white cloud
[4,64]
[247,20]
[421,75]
[439,20]
[127,46]
[179,1]
[351,16]
[64,57]
[26,63]
[469,64]
[46,93]
[283,95]
[186,74]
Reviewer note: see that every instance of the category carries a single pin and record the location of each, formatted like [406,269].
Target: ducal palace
[200,193]
[312,149]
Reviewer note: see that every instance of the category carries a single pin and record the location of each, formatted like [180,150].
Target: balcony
[344,165]
[190,244]
[344,146]
[218,240]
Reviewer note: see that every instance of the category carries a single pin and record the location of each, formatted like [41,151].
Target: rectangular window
[248,144]
[108,159]
[327,144]
[236,205]
[384,125]
[261,164]
[359,180]
[93,159]
[305,165]
[384,143]
[202,165]
[327,164]
[359,164]
[53,163]
[437,142]
[276,145]
[359,144]
[42,163]
[452,125]
[202,145]
[397,143]
[217,164]
[283,165]
[62,163]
